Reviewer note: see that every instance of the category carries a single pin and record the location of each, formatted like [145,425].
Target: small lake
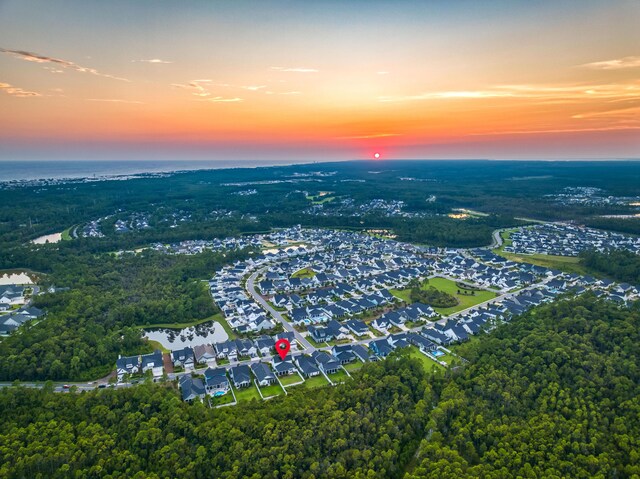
[15,277]
[210,332]
[52,238]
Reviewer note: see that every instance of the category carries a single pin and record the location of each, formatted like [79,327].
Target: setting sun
[376,155]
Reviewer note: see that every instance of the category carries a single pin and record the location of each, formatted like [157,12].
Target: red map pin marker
[282,347]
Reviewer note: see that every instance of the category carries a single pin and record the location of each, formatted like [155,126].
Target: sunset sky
[319,79]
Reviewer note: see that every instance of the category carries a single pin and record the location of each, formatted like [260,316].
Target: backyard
[247,394]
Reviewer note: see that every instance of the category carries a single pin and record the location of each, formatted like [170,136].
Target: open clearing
[448,286]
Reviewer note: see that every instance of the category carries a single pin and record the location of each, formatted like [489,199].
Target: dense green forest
[207,203]
[621,265]
[554,393]
[622,225]
[433,297]
[87,326]
[367,428]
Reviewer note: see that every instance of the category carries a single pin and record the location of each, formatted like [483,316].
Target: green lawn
[427,363]
[354,366]
[403,294]
[315,382]
[292,379]
[247,394]
[273,390]
[304,273]
[448,358]
[314,343]
[319,199]
[569,264]
[464,301]
[66,234]
[156,345]
[338,377]
[220,400]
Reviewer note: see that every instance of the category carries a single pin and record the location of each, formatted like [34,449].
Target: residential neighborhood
[337,297]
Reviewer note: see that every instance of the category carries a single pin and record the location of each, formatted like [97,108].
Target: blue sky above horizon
[328,80]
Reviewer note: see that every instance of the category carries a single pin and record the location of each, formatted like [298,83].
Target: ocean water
[34,170]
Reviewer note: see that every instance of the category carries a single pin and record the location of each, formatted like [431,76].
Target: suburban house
[326,362]
[204,353]
[153,362]
[127,365]
[191,388]
[285,367]
[183,358]
[216,381]
[241,376]
[263,374]
[307,366]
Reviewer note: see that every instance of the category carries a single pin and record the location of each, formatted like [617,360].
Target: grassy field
[288,380]
[66,234]
[315,343]
[403,294]
[220,400]
[464,301]
[448,286]
[314,382]
[304,273]
[354,366]
[569,264]
[321,198]
[338,377]
[247,394]
[156,345]
[426,362]
[273,390]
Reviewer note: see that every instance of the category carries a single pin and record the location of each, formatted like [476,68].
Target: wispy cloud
[544,93]
[152,60]
[220,99]
[632,113]
[16,91]
[615,64]
[621,127]
[295,69]
[196,87]
[382,73]
[36,58]
[115,100]
[283,92]
[366,137]
[253,87]
[447,95]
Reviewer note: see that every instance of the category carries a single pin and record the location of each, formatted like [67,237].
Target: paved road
[251,288]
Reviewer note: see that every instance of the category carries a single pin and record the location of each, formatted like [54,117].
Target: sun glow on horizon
[239,87]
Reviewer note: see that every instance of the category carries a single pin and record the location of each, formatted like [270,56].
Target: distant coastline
[32,170]
[11,170]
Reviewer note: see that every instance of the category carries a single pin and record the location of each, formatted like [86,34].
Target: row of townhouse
[416,312]
[131,365]
[568,240]
[506,275]
[189,358]
[11,321]
[11,295]
[390,272]
[218,381]
[321,313]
